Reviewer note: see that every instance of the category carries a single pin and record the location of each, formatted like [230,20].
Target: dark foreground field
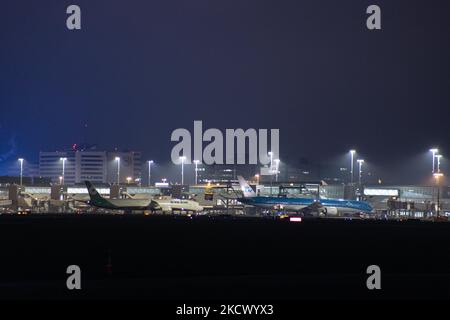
[221,258]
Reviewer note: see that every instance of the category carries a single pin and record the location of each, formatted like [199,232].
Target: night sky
[137,70]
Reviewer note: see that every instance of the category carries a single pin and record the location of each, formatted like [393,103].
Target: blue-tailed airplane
[307,206]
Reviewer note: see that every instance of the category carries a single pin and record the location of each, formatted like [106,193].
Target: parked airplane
[308,206]
[174,205]
[128,205]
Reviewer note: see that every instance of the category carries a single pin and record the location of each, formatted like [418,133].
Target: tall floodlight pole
[21,170]
[438,158]
[63,169]
[360,162]
[196,162]
[433,153]
[277,166]
[150,162]
[118,170]
[352,155]
[437,176]
[183,158]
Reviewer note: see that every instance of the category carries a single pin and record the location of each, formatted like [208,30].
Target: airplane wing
[83,201]
[78,199]
[315,207]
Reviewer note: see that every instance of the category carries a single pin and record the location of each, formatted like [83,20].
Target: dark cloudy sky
[140,69]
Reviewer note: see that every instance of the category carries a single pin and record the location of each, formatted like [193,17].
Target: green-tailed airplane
[129,205]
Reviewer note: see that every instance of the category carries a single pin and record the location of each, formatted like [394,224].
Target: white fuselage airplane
[129,205]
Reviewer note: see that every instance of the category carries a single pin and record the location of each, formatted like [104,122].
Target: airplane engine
[331,211]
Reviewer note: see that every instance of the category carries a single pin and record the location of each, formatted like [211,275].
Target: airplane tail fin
[93,193]
[245,188]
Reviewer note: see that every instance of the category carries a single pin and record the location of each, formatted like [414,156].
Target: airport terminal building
[77,165]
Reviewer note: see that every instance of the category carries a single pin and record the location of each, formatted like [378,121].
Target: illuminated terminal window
[38,190]
[76,190]
[381,192]
[143,190]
